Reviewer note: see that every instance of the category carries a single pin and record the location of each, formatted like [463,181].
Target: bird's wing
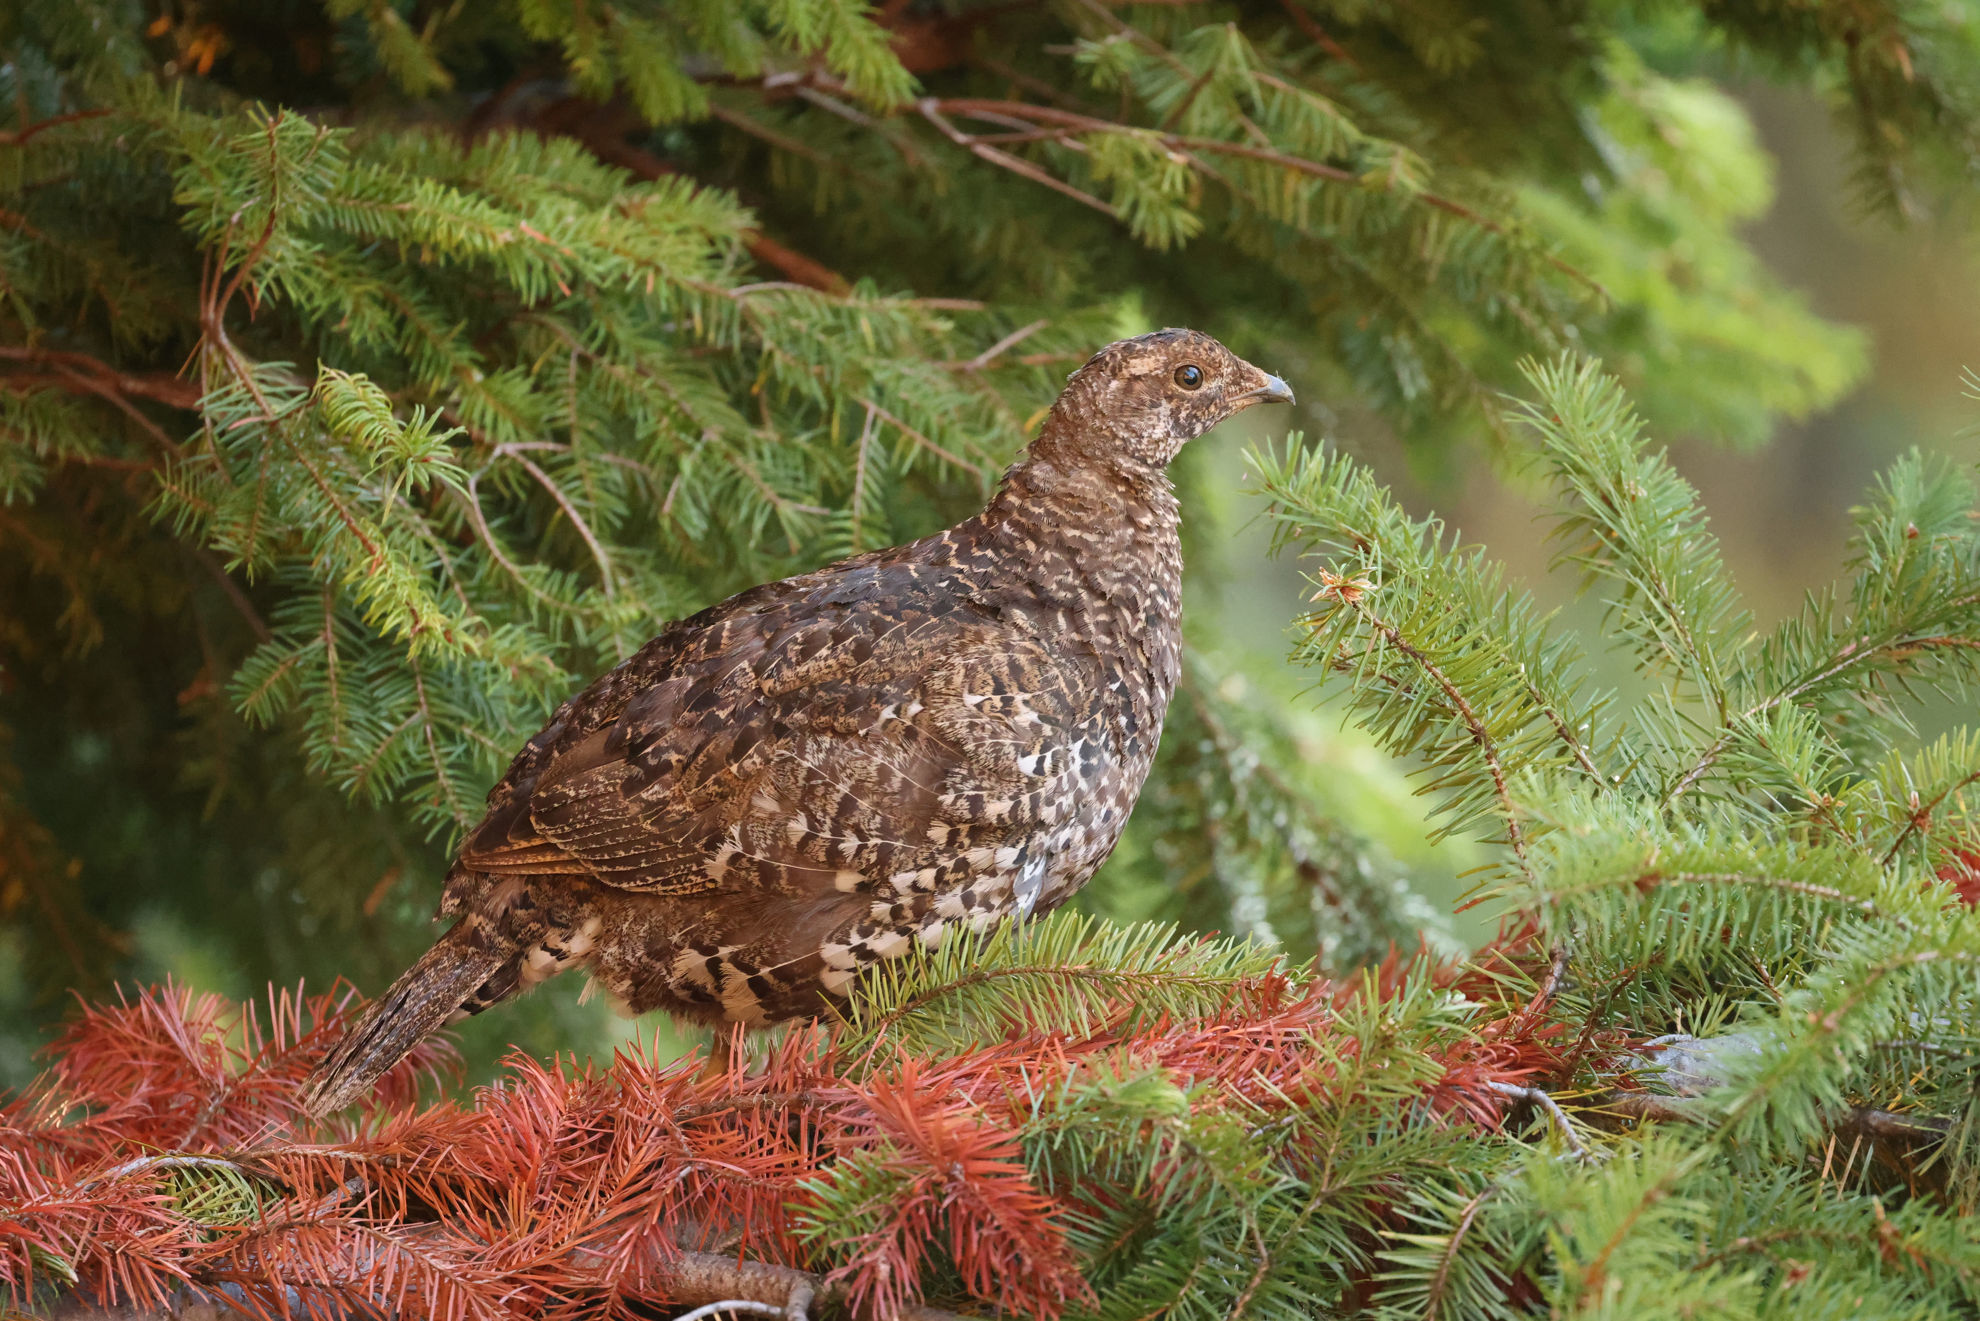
[828,739]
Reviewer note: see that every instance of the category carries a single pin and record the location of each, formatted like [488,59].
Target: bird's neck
[1093,529]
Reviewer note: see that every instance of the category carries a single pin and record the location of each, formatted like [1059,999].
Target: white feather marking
[1029,885]
[888,944]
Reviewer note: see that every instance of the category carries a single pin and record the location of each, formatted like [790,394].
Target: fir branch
[1069,127]
[1474,725]
[1632,520]
[1856,1122]
[96,377]
[931,110]
[1464,691]
[1644,881]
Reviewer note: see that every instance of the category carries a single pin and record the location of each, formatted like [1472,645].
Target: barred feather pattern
[819,773]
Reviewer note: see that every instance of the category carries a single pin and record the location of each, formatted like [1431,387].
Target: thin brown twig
[19,136]
[1433,1296]
[252,617]
[853,115]
[1535,1096]
[1306,23]
[275,209]
[471,502]
[782,142]
[1867,907]
[1022,113]
[333,695]
[1549,987]
[601,129]
[158,386]
[148,1164]
[441,779]
[570,511]
[1922,815]
[1262,1255]
[924,441]
[1036,86]
[1181,108]
[930,111]
[773,495]
[859,474]
[1840,665]
[1016,337]
[754,1101]
[1474,724]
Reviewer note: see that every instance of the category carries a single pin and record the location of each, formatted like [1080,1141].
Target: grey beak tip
[1274,391]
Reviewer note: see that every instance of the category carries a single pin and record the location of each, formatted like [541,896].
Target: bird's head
[1141,400]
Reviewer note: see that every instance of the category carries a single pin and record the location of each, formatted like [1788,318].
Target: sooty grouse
[812,775]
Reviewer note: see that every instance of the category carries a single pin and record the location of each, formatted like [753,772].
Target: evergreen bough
[374,371]
[365,385]
[1719,1060]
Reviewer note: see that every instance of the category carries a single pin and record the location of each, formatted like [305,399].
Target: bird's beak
[1273,391]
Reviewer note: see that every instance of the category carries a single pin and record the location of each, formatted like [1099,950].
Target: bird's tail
[425,996]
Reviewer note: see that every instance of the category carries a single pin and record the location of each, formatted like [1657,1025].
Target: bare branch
[930,109]
[1535,1096]
[1016,337]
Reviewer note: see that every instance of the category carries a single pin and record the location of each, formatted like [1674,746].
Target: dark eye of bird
[1189,376]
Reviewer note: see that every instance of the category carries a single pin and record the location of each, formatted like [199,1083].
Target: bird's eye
[1189,376]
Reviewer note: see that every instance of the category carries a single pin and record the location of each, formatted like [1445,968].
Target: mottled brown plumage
[807,778]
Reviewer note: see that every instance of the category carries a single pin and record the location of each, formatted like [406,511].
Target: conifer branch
[953,460]
[1066,127]
[710,1284]
[95,376]
[1481,737]
[1919,817]
[1317,34]
[556,493]
[1636,523]
[931,110]
[1644,881]
[1857,1121]
[1854,658]
[425,340]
